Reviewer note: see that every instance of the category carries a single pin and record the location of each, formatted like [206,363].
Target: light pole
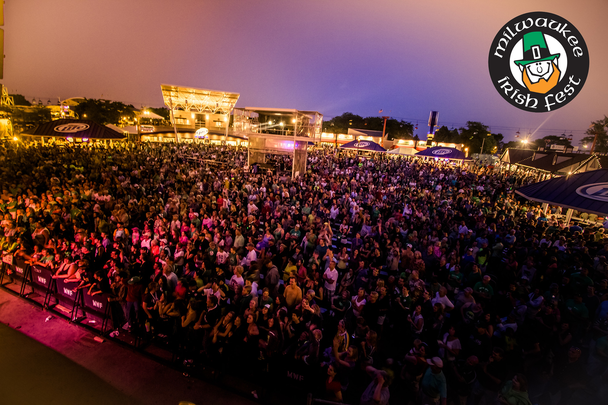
[141,112]
[482,143]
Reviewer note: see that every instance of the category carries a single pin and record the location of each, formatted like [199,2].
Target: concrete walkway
[55,362]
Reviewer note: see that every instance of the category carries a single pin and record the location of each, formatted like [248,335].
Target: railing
[35,284]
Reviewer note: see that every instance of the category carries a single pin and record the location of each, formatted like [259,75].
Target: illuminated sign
[594,191]
[286,145]
[442,152]
[71,128]
[201,133]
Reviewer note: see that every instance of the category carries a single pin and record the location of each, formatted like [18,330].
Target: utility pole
[594,141]
[383,131]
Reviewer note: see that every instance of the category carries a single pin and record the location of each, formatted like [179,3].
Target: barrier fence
[19,271]
[54,294]
[61,297]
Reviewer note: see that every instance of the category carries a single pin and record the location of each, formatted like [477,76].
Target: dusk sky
[403,56]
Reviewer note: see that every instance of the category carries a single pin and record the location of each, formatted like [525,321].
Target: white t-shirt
[452,345]
[332,275]
[236,281]
[445,301]
[209,292]
[250,257]
[221,257]
[360,303]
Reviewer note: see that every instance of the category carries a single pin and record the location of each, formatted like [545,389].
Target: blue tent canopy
[442,152]
[587,192]
[367,146]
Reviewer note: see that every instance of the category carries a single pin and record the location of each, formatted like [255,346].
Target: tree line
[473,136]
[26,115]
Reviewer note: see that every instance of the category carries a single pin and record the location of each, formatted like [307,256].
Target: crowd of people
[372,277]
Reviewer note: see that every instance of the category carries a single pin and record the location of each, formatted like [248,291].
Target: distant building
[549,163]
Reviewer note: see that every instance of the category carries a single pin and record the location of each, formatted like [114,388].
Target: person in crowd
[515,391]
[377,391]
[433,386]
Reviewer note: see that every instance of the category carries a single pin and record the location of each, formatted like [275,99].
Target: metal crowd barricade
[97,309]
[93,311]
[20,273]
[63,292]
[59,297]
[41,279]
[297,375]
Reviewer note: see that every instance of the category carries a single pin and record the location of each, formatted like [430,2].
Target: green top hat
[535,49]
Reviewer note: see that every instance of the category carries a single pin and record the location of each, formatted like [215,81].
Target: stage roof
[200,100]
[587,192]
[280,111]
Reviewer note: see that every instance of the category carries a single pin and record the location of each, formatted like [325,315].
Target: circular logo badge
[594,191]
[441,152]
[201,133]
[71,128]
[361,144]
[538,62]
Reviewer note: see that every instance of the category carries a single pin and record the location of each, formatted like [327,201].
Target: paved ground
[55,362]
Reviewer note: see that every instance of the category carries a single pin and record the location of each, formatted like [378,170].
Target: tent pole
[173,119]
[569,216]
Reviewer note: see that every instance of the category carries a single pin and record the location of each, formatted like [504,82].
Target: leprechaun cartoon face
[539,68]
